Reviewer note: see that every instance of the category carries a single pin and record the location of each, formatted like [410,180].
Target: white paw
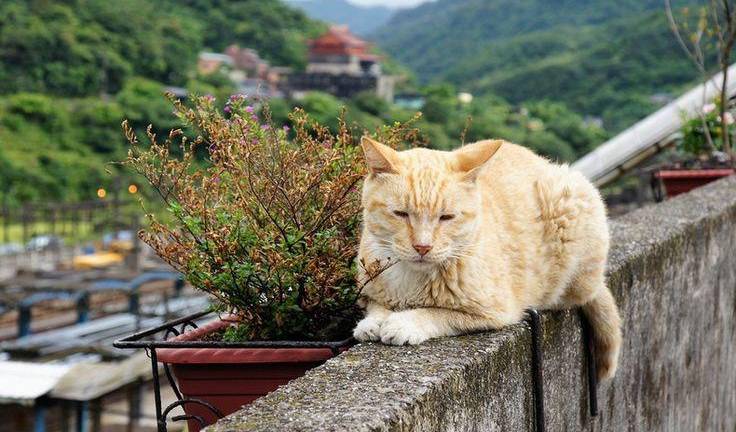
[401,328]
[367,329]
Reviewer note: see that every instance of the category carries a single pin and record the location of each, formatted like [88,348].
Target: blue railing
[81,298]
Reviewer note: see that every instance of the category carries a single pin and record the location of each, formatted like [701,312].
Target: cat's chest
[401,288]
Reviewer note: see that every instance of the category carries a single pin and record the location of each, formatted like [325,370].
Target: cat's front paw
[368,329]
[401,328]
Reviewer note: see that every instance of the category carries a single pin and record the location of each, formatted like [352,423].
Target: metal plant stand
[144,340]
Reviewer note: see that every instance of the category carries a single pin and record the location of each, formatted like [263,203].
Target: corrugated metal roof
[635,144]
[24,382]
[88,381]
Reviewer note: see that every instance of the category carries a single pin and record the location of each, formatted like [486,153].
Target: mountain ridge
[600,58]
[362,20]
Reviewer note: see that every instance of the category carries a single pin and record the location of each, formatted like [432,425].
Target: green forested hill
[83,47]
[599,57]
[71,70]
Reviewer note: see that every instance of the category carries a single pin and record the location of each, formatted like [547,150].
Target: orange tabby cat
[478,235]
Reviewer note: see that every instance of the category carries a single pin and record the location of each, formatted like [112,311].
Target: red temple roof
[340,41]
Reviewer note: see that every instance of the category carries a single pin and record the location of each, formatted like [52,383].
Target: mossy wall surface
[673,273]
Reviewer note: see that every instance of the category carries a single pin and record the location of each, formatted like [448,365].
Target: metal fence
[69,221]
[37,236]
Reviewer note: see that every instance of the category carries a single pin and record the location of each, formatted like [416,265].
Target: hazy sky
[391,3]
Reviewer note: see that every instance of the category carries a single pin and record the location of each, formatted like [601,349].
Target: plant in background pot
[708,136]
[266,221]
[709,157]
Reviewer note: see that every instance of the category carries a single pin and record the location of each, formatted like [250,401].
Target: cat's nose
[422,248]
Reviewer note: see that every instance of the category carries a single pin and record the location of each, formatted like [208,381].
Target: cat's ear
[471,158]
[381,159]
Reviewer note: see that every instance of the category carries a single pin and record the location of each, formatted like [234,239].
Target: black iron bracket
[535,325]
[537,369]
[589,347]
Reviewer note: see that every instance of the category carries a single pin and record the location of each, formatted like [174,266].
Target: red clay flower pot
[677,182]
[229,378]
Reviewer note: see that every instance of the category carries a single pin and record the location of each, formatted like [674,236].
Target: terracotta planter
[677,182]
[229,378]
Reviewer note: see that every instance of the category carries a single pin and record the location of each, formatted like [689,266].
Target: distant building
[340,63]
[248,60]
[253,75]
[248,71]
[411,101]
[179,92]
[340,52]
[209,62]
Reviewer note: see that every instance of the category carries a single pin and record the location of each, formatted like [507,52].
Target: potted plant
[702,139]
[708,136]
[266,221]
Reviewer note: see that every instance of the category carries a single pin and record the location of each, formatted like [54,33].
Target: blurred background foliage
[71,70]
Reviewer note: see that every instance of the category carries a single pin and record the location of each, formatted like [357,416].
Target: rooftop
[340,41]
[24,382]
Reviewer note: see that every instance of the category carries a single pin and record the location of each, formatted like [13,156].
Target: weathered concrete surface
[673,272]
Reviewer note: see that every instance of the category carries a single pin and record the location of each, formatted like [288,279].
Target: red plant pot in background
[677,182]
[229,378]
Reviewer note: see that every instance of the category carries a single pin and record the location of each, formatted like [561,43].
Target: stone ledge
[673,272]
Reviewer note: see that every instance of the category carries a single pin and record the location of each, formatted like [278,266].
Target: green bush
[322,107]
[143,103]
[698,133]
[100,121]
[268,225]
[36,108]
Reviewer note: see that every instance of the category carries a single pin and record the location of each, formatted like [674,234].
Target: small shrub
[698,133]
[267,225]
[38,108]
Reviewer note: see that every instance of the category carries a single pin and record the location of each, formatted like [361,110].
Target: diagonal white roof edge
[646,137]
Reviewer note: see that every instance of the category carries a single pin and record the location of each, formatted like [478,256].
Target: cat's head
[422,206]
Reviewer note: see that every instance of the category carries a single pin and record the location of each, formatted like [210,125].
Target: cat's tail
[603,316]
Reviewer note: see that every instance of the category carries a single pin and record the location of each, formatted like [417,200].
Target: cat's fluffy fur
[508,230]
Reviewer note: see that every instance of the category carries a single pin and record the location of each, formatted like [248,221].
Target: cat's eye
[401,214]
[446,217]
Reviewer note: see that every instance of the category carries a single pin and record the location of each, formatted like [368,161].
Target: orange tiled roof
[339,40]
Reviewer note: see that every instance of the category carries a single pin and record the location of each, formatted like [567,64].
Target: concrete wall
[673,272]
